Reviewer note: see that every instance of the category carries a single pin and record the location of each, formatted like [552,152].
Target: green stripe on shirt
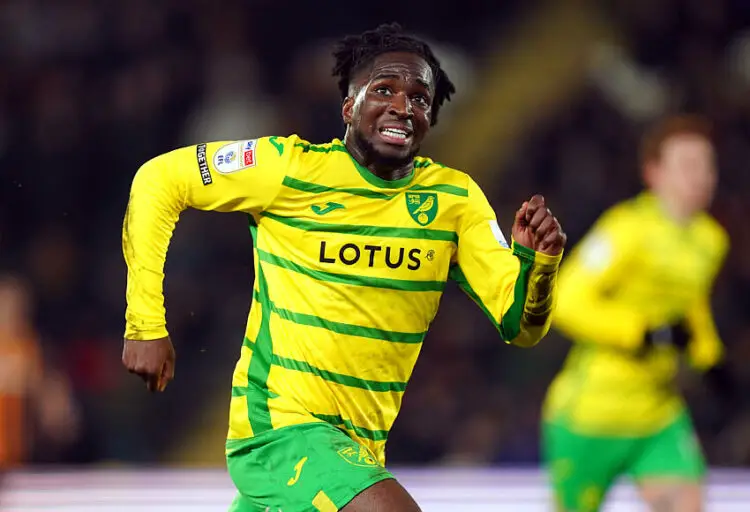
[337,378]
[314,188]
[365,433]
[448,189]
[510,325]
[344,328]
[258,413]
[365,230]
[350,329]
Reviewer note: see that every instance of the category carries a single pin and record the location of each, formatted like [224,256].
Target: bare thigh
[384,496]
[672,496]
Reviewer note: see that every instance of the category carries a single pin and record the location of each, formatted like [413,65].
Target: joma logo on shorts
[362,457]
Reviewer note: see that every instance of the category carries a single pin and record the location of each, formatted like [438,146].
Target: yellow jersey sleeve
[229,176]
[513,285]
[592,271]
[705,348]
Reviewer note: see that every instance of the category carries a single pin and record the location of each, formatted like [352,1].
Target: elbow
[523,340]
[532,332]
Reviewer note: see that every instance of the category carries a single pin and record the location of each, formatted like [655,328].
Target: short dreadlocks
[353,53]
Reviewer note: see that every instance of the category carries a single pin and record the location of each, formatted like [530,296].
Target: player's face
[392,106]
[686,172]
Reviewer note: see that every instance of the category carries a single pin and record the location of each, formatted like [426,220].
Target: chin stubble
[372,155]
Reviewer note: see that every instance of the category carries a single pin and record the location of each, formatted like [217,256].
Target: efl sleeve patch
[235,156]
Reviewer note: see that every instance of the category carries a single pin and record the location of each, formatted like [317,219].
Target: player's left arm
[705,351]
[514,285]
[704,348]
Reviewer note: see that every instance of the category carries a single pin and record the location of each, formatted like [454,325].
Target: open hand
[536,228]
[153,361]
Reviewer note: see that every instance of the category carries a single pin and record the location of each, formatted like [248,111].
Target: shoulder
[438,169]
[308,156]
[306,149]
[443,178]
[623,214]
[286,153]
[266,147]
[615,229]
[711,233]
[281,145]
[613,236]
[232,154]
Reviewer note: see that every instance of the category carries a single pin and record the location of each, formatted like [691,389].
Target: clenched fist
[536,228]
[153,361]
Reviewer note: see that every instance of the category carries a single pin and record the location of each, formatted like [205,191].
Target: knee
[677,498]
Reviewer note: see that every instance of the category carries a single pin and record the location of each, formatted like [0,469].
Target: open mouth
[395,135]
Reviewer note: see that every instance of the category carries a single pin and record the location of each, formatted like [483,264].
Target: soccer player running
[353,244]
[635,297]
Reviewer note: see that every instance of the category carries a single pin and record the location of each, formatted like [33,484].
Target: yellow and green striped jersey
[349,271]
[636,270]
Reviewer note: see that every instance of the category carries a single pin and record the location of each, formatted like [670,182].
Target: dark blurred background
[552,98]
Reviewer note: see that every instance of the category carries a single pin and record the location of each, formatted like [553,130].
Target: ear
[347,110]
[650,171]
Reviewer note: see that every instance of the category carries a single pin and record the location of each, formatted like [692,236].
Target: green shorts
[582,468]
[308,467]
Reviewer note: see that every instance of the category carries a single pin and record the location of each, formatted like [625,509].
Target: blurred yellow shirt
[636,270]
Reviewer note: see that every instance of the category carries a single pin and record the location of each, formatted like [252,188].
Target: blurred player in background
[354,243]
[29,397]
[635,297]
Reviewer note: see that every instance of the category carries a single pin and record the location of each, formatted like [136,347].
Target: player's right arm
[586,310]
[514,285]
[218,176]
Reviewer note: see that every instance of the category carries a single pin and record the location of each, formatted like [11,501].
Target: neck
[386,169]
[675,209]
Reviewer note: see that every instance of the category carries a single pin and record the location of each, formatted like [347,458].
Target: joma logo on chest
[374,255]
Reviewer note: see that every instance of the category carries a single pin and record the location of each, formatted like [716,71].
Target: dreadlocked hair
[352,53]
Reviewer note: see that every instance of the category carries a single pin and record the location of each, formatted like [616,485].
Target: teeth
[393,132]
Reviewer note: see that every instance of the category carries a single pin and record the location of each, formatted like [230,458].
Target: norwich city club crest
[422,206]
[358,456]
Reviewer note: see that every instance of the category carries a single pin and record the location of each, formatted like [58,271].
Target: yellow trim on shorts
[323,503]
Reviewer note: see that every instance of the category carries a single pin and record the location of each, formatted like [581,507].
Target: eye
[386,91]
[421,99]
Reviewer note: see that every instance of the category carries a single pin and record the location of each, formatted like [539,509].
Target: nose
[401,107]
